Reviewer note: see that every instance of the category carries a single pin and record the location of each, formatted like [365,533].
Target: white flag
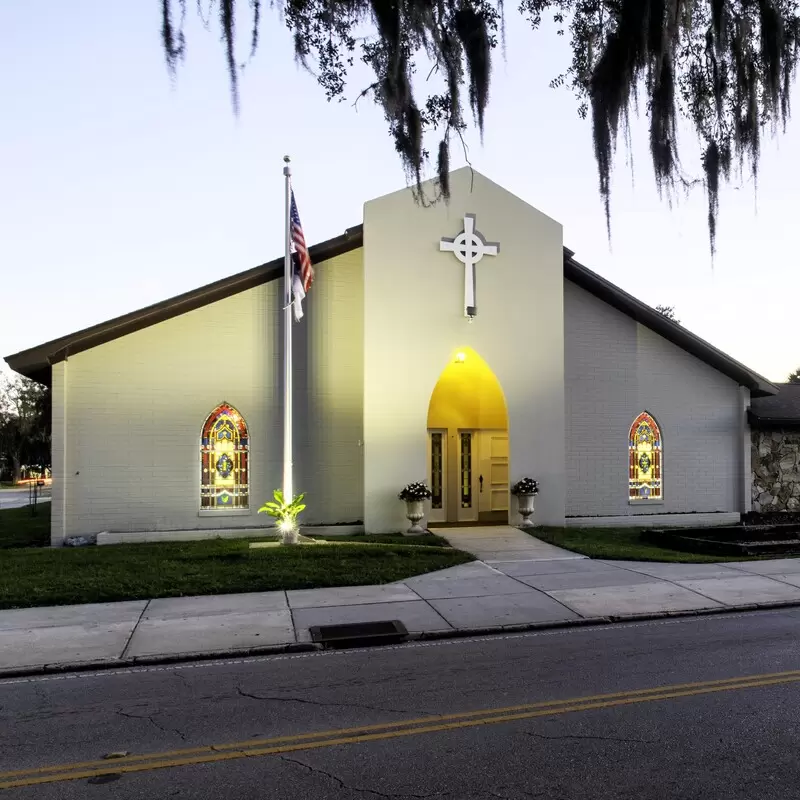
[298,295]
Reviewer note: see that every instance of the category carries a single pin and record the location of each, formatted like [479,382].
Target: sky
[120,187]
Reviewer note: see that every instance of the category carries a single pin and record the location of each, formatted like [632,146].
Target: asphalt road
[705,707]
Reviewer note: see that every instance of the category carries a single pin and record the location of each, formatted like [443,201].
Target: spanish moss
[722,68]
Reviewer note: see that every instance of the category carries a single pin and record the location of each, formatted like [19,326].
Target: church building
[461,344]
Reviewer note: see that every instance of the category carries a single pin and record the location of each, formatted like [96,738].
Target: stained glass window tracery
[224,460]
[645,460]
[466,469]
[437,470]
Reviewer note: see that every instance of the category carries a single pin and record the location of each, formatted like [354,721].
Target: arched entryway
[468,444]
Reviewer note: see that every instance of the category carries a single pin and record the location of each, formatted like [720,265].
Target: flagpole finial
[287,169]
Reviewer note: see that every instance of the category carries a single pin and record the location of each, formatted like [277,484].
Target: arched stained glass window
[645,460]
[224,457]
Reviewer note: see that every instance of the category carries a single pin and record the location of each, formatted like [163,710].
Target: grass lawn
[621,544]
[19,529]
[38,576]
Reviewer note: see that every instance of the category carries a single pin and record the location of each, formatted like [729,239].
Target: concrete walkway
[500,544]
[548,588]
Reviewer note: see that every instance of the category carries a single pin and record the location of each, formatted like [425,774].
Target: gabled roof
[779,411]
[36,362]
[605,290]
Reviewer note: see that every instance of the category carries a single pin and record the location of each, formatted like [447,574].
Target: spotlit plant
[285,514]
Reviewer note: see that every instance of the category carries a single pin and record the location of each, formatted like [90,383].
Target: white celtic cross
[469,247]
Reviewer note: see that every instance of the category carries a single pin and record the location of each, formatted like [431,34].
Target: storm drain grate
[359,634]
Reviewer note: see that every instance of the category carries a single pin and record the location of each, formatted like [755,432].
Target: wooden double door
[468,475]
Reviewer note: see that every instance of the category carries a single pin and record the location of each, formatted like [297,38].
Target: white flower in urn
[525,490]
[414,495]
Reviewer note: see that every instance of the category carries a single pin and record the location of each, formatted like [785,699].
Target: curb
[310,647]
[151,661]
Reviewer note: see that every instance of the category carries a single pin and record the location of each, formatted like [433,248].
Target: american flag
[302,271]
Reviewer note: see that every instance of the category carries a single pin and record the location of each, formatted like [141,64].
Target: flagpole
[288,488]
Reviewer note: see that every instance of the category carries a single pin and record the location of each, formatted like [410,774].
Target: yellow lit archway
[468,443]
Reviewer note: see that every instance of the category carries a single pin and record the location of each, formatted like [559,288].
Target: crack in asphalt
[362,683]
[26,746]
[38,716]
[149,718]
[304,700]
[343,785]
[40,692]
[179,673]
[544,793]
[588,738]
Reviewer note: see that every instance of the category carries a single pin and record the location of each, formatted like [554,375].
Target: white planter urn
[525,502]
[415,511]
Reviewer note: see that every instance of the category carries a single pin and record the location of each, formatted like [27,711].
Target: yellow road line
[255,748]
[398,724]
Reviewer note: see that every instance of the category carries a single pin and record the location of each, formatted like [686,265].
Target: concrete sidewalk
[551,588]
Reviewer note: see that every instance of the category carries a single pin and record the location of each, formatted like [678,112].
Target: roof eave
[36,362]
[770,423]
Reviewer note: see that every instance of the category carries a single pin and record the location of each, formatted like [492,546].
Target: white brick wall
[58,452]
[127,415]
[616,368]
[134,408]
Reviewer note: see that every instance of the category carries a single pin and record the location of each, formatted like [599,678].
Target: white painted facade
[127,415]
[382,322]
[414,324]
[615,369]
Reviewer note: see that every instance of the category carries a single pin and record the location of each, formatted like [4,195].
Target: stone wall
[775,460]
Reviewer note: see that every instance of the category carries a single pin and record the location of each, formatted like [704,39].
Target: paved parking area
[19,498]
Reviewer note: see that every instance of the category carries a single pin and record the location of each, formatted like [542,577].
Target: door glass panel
[436,470]
[466,470]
